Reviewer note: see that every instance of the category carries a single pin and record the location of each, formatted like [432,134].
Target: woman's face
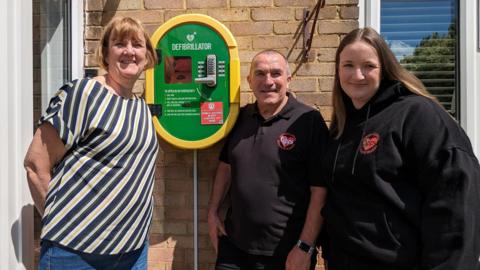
[359,71]
[126,58]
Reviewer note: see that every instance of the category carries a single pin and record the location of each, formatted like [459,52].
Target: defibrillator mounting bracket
[159,55]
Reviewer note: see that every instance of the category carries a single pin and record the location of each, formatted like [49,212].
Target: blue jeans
[55,257]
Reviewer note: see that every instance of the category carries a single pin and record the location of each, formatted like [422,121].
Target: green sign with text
[192,82]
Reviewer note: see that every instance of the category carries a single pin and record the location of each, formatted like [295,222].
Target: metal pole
[195,211]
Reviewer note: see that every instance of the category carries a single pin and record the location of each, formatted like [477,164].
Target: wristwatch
[305,247]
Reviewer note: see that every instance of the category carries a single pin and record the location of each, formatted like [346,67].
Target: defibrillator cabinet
[194,90]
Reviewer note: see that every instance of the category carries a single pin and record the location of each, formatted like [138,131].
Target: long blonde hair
[391,71]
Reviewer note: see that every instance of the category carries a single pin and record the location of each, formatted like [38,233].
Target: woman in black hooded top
[403,181]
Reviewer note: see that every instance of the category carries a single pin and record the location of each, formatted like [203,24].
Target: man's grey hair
[271,52]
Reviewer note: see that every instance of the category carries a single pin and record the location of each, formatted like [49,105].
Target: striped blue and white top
[100,196]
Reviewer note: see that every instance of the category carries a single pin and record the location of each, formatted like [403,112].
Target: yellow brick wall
[256,25]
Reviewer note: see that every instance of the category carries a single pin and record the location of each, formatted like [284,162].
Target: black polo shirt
[273,164]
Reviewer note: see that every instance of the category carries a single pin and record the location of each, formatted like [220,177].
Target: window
[57,47]
[51,43]
[423,36]
[57,56]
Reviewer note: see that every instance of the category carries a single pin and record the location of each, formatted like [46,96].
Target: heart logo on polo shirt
[369,143]
[286,141]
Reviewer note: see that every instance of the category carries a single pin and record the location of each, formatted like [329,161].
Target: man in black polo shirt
[270,168]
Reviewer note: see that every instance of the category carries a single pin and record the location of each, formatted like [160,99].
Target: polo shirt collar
[286,112]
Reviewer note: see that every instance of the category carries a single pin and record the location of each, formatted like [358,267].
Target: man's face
[269,79]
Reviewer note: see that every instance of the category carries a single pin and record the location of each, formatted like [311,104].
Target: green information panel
[195,85]
[187,103]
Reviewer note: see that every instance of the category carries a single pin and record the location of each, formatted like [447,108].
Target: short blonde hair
[122,28]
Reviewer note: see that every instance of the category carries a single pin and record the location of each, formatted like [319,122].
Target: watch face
[305,247]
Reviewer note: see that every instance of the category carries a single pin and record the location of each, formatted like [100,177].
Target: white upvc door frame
[369,15]
[16,109]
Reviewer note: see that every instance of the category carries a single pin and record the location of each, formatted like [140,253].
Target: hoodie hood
[387,93]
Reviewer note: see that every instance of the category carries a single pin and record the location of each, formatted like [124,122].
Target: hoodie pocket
[371,224]
[389,231]
[368,224]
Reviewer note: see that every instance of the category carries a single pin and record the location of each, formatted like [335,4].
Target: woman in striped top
[90,166]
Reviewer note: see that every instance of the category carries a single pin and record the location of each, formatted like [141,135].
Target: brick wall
[256,25]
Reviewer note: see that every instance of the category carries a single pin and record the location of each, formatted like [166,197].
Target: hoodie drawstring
[358,147]
[361,139]
[335,160]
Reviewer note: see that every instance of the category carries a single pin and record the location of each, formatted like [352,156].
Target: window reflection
[423,36]
[51,62]
[178,69]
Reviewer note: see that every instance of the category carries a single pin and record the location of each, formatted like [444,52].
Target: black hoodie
[403,185]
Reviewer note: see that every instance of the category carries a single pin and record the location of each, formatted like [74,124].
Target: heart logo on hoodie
[369,143]
[286,141]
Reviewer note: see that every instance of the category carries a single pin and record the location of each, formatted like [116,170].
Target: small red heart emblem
[369,143]
[286,141]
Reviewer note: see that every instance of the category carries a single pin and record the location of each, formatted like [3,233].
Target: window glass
[423,36]
[51,63]
[51,44]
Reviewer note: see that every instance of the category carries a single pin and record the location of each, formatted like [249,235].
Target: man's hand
[298,260]
[215,229]
[220,188]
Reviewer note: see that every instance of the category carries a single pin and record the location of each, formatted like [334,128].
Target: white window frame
[75,50]
[469,70]
[369,14]
[77,25]
[469,65]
